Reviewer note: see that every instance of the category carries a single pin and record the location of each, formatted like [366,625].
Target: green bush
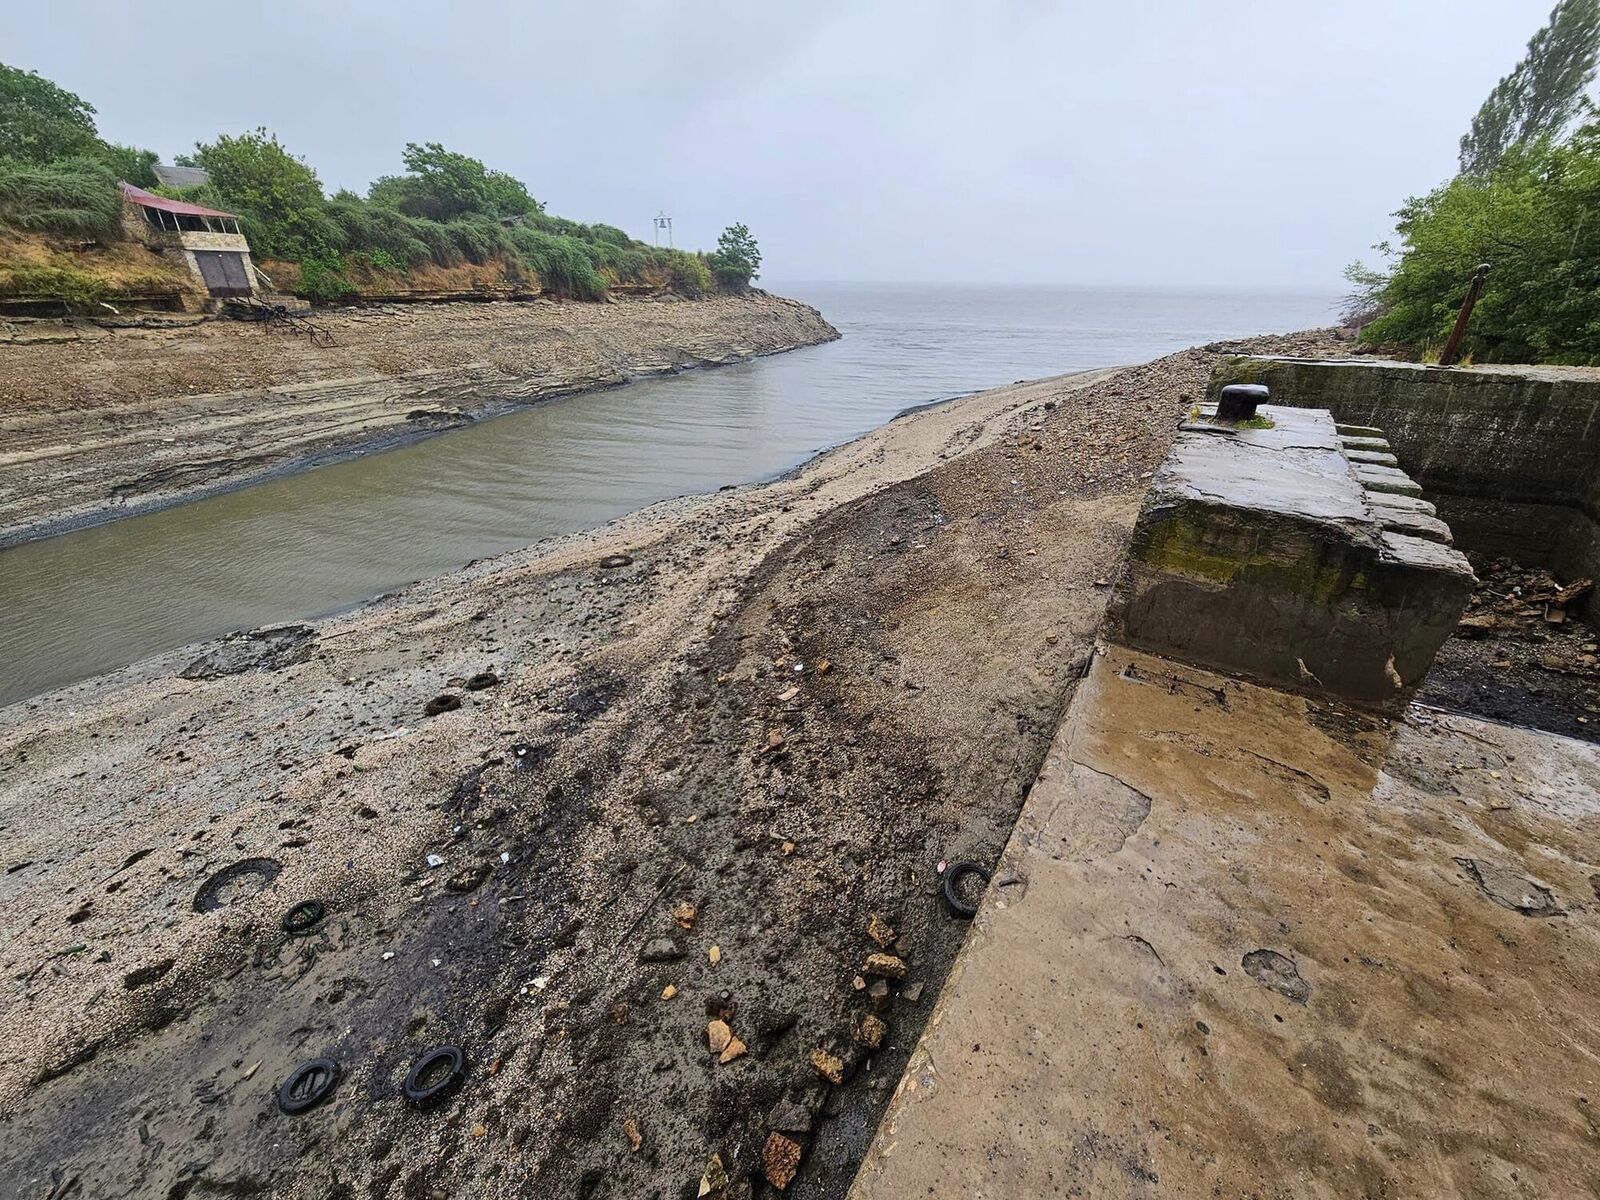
[688,273]
[73,287]
[737,258]
[1535,219]
[562,263]
[322,277]
[74,197]
[478,238]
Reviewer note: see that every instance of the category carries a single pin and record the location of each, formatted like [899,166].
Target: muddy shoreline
[726,743]
[104,425]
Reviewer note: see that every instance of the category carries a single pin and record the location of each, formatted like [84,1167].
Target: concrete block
[1372,458]
[1381,445]
[1262,553]
[1385,479]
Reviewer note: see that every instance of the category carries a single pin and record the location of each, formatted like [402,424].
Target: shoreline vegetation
[1525,204]
[447,224]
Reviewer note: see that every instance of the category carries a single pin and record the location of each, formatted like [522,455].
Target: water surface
[307,544]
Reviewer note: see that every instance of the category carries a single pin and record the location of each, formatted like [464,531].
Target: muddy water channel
[311,543]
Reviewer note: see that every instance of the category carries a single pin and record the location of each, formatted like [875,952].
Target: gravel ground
[698,767]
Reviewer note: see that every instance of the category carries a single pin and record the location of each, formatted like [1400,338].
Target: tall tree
[40,122]
[737,258]
[1544,93]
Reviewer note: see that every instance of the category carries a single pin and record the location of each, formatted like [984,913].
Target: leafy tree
[1544,93]
[442,185]
[1536,220]
[41,122]
[131,164]
[254,174]
[737,258]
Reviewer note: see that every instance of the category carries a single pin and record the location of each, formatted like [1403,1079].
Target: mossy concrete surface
[1511,455]
[1270,554]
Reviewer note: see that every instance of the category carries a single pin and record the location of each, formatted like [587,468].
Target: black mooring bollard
[1237,401]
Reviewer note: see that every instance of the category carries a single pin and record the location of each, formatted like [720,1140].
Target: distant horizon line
[1305,288]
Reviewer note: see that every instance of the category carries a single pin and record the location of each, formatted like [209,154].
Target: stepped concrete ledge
[1271,554]
[1244,942]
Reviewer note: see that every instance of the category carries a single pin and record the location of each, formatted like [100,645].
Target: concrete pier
[1285,555]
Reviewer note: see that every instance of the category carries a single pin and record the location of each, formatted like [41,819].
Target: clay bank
[654,824]
[98,422]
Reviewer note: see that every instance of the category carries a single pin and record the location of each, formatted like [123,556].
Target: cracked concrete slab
[1279,980]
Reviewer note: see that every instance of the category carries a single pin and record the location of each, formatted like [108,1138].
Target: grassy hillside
[447,222]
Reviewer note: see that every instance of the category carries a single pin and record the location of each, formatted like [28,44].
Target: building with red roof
[210,242]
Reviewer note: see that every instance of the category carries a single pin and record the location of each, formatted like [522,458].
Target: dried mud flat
[96,423]
[699,766]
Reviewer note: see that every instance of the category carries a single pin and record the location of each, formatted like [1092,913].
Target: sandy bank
[97,423]
[706,779]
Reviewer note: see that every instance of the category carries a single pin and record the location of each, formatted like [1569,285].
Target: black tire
[308,1085]
[953,874]
[442,704]
[303,917]
[420,1095]
[213,892]
[484,679]
[612,561]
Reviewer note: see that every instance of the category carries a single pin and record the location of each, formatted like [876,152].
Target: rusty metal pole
[1452,348]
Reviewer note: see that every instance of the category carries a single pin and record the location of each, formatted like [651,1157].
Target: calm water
[312,543]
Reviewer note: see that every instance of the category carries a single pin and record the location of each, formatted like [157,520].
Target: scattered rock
[468,878]
[879,930]
[734,1049]
[912,991]
[788,1117]
[1510,890]
[630,1130]
[868,1030]
[718,1036]
[714,955]
[684,915]
[668,992]
[1278,972]
[661,949]
[714,1178]
[886,966]
[878,993]
[829,1066]
[268,649]
[780,1158]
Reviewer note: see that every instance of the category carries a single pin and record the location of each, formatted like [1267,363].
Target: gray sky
[1122,141]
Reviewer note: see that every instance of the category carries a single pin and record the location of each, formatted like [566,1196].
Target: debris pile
[1524,652]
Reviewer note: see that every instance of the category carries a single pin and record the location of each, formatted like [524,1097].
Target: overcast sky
[1122,141]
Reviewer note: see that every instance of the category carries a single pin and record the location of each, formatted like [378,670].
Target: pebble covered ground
[649,822]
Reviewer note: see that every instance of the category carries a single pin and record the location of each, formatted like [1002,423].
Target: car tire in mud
[308,1085]
[953,874]
[425,1095]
